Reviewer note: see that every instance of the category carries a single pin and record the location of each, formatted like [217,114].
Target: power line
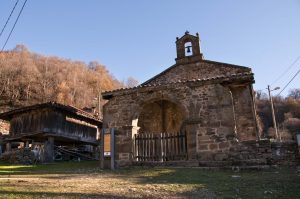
[14,25]
[280,76]
[289,82]
[9,17]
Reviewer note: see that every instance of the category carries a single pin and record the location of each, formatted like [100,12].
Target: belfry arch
[188,46]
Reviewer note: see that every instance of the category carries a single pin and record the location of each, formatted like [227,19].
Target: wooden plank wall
[50,121]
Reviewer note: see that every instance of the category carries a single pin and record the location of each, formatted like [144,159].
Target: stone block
[225,131]
[214,123]
[211,132]
[203,138]
[123,147]
[213,146]
[123,163]
[220,156]
[206,142]
[124,156]
[205,156]
[203,147]
[223,145]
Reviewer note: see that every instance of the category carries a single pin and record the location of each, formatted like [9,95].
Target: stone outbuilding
[209,102]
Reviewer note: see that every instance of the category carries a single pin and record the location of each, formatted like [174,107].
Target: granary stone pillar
[27,144]
[8,147]
[49,150]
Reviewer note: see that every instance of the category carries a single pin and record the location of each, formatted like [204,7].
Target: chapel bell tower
[188,48]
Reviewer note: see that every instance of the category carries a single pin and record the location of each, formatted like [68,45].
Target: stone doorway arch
[160,116]
[158,132]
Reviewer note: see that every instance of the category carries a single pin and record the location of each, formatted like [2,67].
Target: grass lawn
[86,180]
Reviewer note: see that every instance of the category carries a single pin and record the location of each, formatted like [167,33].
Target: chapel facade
[210,103]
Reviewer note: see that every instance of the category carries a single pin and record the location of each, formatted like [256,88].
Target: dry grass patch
[86,180]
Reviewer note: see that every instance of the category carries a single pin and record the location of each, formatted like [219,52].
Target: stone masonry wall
[208,117]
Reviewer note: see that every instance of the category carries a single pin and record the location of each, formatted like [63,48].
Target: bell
[188,49]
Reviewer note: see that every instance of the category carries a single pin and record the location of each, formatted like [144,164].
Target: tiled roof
[205,61]
[67,108]
[219,77]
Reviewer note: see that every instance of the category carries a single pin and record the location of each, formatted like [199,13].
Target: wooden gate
[160,147]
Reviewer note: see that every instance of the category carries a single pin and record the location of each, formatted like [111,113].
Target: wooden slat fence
[160,147]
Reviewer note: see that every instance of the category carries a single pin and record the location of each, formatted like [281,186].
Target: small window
[188,49]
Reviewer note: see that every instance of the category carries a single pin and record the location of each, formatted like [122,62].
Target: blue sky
[137,37]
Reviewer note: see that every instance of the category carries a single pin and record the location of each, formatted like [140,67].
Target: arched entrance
[159,137]
[161,116]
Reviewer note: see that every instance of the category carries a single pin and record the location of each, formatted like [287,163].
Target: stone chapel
[211,102]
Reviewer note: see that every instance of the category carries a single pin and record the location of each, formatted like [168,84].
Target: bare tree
[28,78]
[131,82]
[295,93]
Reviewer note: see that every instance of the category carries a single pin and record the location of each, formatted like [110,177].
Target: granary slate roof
[220,78]
[66,108]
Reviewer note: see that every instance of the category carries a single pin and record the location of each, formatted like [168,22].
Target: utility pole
[273,114]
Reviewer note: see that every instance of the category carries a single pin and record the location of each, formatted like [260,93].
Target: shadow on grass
[55,168]
[174,175]
[23,194]
[188,194]
[281,183]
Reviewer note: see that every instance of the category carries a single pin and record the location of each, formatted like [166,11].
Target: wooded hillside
[27,78]
[287,112]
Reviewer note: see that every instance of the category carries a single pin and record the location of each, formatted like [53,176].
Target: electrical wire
[280,76]
[14,25]
[289,82]
[9,18]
